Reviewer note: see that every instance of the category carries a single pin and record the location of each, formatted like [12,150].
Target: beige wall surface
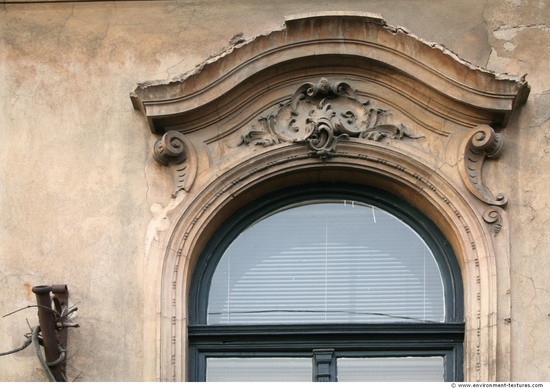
[81,200]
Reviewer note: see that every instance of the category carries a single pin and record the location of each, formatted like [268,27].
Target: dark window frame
[348,340]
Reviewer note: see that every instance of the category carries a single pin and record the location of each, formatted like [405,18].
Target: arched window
[330,97]
[327,283]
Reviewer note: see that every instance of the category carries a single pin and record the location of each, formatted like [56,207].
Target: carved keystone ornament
[322,115]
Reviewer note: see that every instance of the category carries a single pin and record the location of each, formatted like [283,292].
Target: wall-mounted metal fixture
[53,328]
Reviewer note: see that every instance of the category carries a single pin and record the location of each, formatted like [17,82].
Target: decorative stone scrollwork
[482,143]
[170,148]
[257,137]
[174,149]
[322,115]
[493,215]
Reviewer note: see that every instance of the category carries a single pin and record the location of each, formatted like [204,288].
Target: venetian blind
[409,369]
[327,262]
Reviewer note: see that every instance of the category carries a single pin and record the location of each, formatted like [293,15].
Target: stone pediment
[395,62]
[382,83]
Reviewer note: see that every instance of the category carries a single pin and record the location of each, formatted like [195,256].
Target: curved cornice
[329,39]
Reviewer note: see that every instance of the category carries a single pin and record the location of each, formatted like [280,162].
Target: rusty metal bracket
[53,326]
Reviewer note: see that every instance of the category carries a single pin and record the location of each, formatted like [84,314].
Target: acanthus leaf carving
[321,116]
[175,151]
[257,137]
[483,142]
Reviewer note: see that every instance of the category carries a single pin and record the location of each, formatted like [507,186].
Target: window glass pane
[258,369]
[414,369]
[327,262]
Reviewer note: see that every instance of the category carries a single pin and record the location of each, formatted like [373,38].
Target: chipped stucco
[82,202]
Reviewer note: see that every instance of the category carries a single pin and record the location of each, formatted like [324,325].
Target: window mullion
[324,365]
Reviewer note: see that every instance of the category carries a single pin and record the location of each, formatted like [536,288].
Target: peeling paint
[509,32]
[509,46]
[74,208]
[160,221]
[500,64]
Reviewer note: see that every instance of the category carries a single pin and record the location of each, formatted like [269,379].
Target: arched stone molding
[286,165]
[223,145]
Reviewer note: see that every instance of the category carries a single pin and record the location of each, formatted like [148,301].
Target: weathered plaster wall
[81,199]
[519,35]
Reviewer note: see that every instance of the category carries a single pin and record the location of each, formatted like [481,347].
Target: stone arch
[226,142]
[430,191]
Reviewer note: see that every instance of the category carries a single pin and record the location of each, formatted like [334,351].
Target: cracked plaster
[520,39]
[78,205]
